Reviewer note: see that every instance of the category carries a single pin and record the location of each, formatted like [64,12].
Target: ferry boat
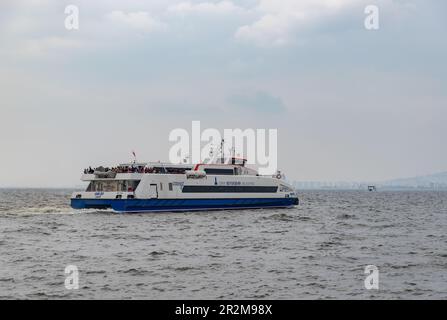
[157,187]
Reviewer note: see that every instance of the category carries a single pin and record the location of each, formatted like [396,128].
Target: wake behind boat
[156,187]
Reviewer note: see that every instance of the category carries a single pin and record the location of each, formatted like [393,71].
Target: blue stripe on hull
[147,205]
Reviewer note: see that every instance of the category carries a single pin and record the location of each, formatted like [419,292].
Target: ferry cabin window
[227,172]
[132,185]
[229,189]
[109,186]
[95,186]
[113,186]
[122,186]
[170,186]
[161,186]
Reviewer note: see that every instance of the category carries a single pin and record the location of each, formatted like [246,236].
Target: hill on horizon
[431,181]
[436,180]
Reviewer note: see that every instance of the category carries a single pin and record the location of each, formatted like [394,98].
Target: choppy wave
[316,250]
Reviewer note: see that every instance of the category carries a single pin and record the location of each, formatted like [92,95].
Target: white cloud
[222,7]
[270,29]
[140,20]
[278,20]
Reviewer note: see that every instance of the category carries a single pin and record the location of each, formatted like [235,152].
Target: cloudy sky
[348,103]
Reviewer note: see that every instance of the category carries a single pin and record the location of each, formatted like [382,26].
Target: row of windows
[225,172]
[113,186]
[131,185]
[229,189]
